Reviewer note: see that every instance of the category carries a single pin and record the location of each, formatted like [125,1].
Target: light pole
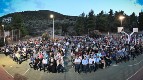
[3,34]
[52,16]
[121,18]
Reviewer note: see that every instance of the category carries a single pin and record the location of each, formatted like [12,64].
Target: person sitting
[44,63]
[60,68]
[77,62]
[31,63]
[97,62]
[14,56]
[52,65]
[39,65]
[84,64]
[102,63]
[108,59]
[7,51]
[36,61]
[91,64]
[17,56]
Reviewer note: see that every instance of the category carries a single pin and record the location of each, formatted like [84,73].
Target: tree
[101,21]
[45,36]
[140,21]
[91,21]
[133,21]
[80,24]
[18,24]
[64,28]
[110,21]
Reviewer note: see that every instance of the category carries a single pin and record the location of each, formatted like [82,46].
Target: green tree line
[107,22]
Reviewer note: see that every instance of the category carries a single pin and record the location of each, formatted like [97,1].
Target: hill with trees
[38,22]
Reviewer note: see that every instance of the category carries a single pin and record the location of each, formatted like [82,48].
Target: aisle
[67,59]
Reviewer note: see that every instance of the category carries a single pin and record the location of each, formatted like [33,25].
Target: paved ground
[131,70]
[138,75]
[4,75]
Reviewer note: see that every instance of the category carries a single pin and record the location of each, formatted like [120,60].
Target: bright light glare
[51,16]
[121,17]
[2,25]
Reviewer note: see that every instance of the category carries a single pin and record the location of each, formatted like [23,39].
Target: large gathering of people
[87,54]
[42,55]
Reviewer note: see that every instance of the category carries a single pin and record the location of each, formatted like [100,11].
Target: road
[132,70]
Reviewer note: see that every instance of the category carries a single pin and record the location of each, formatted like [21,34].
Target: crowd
[87,54]
[42,54]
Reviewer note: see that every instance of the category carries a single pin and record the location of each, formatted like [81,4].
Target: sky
[71,7]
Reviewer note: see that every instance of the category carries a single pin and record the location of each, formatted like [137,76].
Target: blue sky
[71,7]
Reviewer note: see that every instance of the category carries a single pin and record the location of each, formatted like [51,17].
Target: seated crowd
[42,55]
[87,54]
[99,53]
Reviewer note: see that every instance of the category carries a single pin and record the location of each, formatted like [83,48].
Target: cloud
[10,6]
[6,10]
[4,7]
[140,2]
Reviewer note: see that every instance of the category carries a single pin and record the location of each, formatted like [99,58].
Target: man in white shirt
[84,64]
[91,64]
[7,51]
[67,44]
[77,62]
[44,63]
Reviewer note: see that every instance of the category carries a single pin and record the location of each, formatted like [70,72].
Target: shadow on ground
[19,77]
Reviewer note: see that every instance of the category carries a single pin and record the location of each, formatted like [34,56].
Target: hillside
[38,22]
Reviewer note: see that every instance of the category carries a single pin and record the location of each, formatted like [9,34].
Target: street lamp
[121,18]
[3,34]
[52,16]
